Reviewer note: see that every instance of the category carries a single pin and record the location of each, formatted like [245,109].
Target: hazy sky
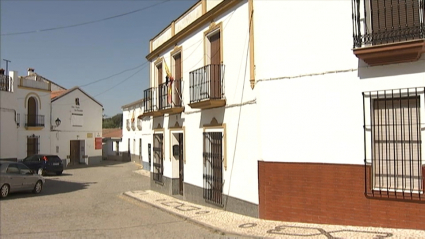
[79,55]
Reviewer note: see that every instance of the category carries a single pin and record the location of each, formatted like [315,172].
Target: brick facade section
[330,194]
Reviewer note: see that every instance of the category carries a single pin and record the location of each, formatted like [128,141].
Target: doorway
[74,152]
[181,163]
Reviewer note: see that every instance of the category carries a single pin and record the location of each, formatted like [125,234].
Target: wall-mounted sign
[89,135]
[97,143]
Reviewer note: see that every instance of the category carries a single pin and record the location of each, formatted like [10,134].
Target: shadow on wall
[208,115]
[367,72]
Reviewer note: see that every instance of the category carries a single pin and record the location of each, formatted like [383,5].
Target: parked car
[44,163]
[15,176]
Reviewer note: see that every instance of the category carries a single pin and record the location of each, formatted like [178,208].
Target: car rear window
[53,158]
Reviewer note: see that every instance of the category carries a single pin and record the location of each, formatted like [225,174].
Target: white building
[78,138]
[134,134]
[25,117]
[35,119]
[280,118]
[9,120]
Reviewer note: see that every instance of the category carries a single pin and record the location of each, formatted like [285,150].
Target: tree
[112,122]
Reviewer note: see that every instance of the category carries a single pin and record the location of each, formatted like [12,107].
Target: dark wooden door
[75,152]
[177,78]
[181,164]
[215,71]
[32,146]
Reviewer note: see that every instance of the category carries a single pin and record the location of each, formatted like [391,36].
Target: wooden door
[215,71]
[74,152]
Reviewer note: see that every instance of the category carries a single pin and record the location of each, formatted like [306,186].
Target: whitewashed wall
[63,108]
[8,126]
[43,108]
[242,143]
[133,134]
[315,118]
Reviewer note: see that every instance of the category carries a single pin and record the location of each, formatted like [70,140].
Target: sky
[104,55]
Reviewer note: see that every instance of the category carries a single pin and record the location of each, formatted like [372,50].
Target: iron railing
[34,120]
[150,100]
[213,167]
[170,95]
[158,166]
[207,83]
[377,22]
[393,145]
[5,83]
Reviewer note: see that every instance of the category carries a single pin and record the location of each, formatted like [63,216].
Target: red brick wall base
[331,194]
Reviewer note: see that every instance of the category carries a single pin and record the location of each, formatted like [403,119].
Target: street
[87,202]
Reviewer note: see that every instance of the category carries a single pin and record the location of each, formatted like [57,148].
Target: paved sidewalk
[232,223]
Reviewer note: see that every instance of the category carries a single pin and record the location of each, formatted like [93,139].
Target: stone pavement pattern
[233,223]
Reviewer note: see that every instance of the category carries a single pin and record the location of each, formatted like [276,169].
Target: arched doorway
[32,112]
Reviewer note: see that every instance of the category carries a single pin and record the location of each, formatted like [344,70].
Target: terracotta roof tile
[111,133]
[57,93]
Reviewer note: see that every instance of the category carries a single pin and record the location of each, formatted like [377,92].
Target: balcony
[388,31]
[150,103]
[139,124]
[170,98]
[127,123]
[5,83]
[32,121]
[207,87]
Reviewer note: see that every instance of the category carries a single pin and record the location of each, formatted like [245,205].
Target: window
[77,120]
[396,138]
[393,142]
[158,166]
[394,20]
[24,169]
[213,167]
[13,168]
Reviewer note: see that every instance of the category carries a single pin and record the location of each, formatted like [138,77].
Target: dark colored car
[44,163]
[15,177]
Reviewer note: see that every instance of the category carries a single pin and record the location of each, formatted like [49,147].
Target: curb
[215,229]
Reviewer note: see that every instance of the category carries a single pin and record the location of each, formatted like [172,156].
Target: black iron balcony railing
[207,83]
[170,95]
[377,22]
[34,121]
[5,83]
[150,99]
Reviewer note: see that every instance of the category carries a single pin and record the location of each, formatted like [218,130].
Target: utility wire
[108,77]
[84,23]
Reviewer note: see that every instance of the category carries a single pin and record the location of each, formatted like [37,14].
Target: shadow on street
[51,187]
[103,163]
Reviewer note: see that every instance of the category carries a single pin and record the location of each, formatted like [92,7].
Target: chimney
[1,71]
[30,71]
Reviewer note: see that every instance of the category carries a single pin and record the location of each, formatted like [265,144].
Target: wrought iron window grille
[393,143]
